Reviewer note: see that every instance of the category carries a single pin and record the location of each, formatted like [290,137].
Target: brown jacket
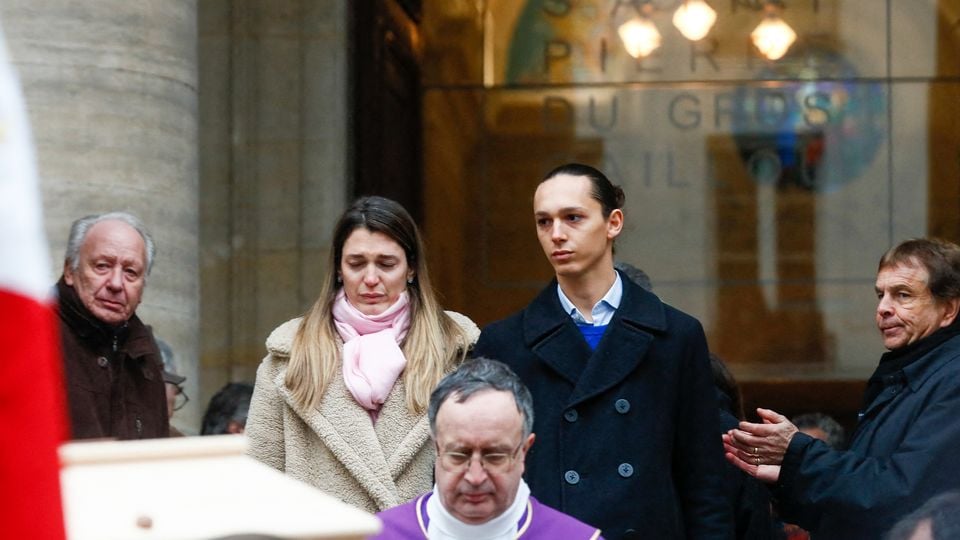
[114,380]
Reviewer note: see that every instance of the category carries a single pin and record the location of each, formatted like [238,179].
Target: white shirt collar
[443,526]
[604,309]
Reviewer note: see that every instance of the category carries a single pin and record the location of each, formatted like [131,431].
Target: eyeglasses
[492,462]
[181,400]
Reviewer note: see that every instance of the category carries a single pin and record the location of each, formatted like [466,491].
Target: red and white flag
[32,410]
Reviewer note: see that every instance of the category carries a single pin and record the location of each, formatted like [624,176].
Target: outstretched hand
[758,449]
[765,473]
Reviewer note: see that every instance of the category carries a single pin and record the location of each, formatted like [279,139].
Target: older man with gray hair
[481,419]
[112,364]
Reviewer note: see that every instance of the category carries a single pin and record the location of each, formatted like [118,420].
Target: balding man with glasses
[481,420]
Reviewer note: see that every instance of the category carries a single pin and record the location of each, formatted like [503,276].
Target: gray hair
[836,435]
[166,354]
[475,376]
[82,226]
[634,274]
[942,512]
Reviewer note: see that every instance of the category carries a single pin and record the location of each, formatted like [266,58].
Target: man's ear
[529,443]
[526,448]
[951,307]
[614,224]
[67,273]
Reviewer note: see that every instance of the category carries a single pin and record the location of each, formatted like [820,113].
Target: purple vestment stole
[410,521]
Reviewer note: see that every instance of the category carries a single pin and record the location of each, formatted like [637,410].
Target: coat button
[630,534]
[571,415]
[625,470]
[622,406]
[102,361]
[572,477]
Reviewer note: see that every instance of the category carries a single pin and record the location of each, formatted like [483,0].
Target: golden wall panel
[760,194]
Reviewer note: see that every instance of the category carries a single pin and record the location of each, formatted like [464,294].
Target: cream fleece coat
[336,447]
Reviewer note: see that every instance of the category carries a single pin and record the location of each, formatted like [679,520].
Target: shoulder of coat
[470,329]
[280,340]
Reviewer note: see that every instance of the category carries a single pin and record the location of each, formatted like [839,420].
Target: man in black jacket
[112,364]
[904,449]
[625,410]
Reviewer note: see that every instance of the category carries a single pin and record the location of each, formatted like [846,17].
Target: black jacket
[903,452]
[749,497]
[627,435]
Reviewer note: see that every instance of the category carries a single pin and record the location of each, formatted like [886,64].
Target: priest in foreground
[481,420]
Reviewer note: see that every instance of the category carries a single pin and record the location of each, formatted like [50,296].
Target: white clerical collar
[604,309]
[443,526]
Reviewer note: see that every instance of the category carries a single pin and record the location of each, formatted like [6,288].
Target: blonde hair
[434,343]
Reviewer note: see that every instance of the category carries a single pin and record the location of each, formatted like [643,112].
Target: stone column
[274,106]
[111,88]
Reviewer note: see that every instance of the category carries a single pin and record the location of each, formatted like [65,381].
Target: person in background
[227,410]
[481,421]
[112,365]
[905,445]
[340,400]
[822,426]
[626,411]
[176,396]
[825,428]
[937,519]
[634,274]
[749,498]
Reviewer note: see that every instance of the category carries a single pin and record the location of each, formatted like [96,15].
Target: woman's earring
[410,280]
[339,279]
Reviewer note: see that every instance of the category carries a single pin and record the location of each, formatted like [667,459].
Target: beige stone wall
[223,124]
[273,162]
[111,90]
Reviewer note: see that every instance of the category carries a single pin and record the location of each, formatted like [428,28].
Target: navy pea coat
[905,450]
[627,435]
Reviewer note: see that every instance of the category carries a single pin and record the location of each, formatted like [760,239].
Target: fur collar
[280,341]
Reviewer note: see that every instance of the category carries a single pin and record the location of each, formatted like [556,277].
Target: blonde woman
[340,400]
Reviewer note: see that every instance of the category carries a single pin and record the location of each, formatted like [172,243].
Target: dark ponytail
[609,196]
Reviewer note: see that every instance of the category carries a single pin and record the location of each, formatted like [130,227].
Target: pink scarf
[372,359]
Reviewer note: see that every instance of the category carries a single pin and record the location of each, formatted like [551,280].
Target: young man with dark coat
[626,413]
